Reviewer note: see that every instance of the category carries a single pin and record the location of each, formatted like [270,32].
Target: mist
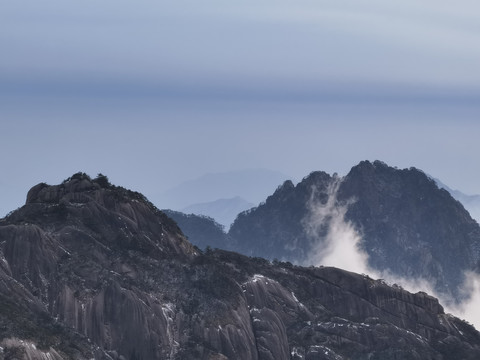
[339,247]
[336,242]
[468,309]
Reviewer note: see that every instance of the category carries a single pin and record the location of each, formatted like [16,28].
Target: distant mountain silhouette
[470,202]
[224,211]
[204,230]
[253,185]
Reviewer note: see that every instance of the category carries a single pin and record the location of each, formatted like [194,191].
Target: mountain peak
[371,167]
[285,187]
[379,167]
[78,187]
[398,221]
[96,208]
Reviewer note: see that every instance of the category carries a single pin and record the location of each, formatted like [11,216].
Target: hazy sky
[153,93]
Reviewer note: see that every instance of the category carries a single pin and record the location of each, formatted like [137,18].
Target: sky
[156,93]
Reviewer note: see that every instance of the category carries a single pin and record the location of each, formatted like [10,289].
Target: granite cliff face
[91,270]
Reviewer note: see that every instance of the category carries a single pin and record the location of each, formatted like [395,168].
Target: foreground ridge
[91,270]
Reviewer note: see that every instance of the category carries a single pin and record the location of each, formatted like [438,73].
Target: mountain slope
[100,263]
[201,231]
[470,202]
[400,219]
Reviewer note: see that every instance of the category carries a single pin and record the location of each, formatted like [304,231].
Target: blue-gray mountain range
[407,225]
[252,185]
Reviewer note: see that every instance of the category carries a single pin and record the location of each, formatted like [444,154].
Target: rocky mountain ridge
[91,270]
[405,224]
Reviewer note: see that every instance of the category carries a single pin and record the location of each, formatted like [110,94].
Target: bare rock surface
[89,270]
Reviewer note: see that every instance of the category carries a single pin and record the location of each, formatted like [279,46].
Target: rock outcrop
[91,270]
